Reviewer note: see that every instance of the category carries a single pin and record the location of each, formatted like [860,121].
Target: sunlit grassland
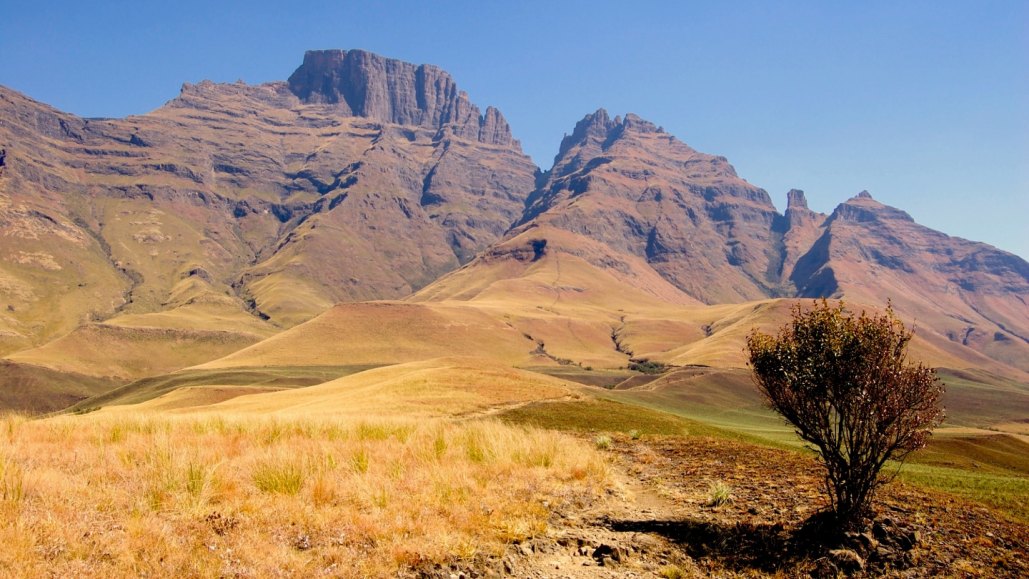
[607,416]
[222,495]
[752,423]
[990,469]
[1007,493]
[274,377]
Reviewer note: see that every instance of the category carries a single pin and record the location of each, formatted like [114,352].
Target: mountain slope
[972,293]
[642,192]
[239,179]
[194,234]
[260,206]
[579,275]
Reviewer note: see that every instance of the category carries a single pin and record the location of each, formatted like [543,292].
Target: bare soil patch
[662,519]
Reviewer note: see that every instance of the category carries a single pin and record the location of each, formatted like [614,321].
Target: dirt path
[660,519]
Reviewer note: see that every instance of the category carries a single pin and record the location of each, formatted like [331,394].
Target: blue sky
[924,104]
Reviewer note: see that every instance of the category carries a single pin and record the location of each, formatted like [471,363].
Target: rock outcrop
[367,85]
[801,230]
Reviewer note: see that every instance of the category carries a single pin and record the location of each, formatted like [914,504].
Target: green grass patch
[1009,494]
[980,399]
[756,425]
[998,454]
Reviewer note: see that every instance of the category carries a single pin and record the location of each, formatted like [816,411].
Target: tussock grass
[214,495]
[12,481]
[719,493]
[280,476]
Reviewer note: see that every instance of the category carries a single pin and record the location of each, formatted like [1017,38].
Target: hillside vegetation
[226,495]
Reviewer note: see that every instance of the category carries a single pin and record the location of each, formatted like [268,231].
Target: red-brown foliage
[844,384]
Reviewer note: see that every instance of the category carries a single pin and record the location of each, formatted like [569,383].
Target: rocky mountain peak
[863,208]
[634,122]
[795,199]
[599,129]
[594,126]
[364,84]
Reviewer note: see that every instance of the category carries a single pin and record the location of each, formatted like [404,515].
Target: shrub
[844,384]
[719,494]
[646,366]
[602,442]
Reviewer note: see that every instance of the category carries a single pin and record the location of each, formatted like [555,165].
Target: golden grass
[189,398]
[132,352]
[212,314]
[502,309]
[387,333]
[223,495]
[566,276]
[438,387]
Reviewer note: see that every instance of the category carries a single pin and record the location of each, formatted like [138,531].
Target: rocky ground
[664,519]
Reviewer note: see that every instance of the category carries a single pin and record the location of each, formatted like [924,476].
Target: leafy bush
[844,384]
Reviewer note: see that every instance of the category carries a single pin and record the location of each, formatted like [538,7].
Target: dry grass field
[224,495]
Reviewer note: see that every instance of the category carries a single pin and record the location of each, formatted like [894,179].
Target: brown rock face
[363,84]
[803,227]
[795,199]
[970,292]
[639,190]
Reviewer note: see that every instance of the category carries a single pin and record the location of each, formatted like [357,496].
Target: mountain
[628,184]
[633,201]
[365,213]
[578,281]
[973,293]
[234,210]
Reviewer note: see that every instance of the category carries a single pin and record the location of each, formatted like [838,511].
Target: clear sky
[924,104]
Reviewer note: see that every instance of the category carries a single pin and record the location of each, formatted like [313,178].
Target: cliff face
[802,228]
[367,85]
[627,183]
